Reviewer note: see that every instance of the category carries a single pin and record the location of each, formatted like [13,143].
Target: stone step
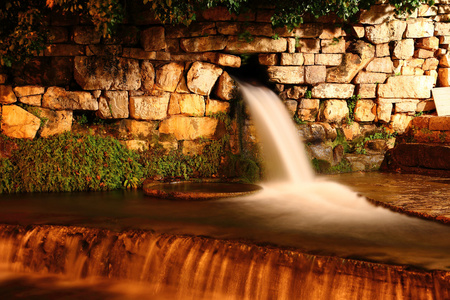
[428,129]
[418,158]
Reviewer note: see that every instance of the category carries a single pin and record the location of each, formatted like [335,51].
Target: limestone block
[174,106]
[34,100]
[370,77]
[153,38]
[377,14]
[333,90]
[443,79]
[223,59]
[286,74]
[334,111]
[113,105]
[423,53]
[444,60]
[296,92]
[428,43]
[225,87]
[216,106]
[7,95]
[227,28]
[309,59]
[358,31]
[189,104]
[427,11]
[425,105]
[58,121]
[182,86]
[321,151]
[201,77]
[384,111]
[419,28]
[204,44]
[256,45]
[291,45]
[59,99]
[134,128]
[147,76]
[308,115]
[315,74]
[195,29]
[168,76]
[189,128]
[149,107]
[400,122]
[406,106]
[268,59]
[308,30]
[328,59]
[16,122]
[330,31]
[441,29]
[444,40]
[365,111]
[333,46]
[291,106]
[309,104]
[107,73]
[367,90]
[86,35]
[352,63]
[29,90]
[308,45]
[386,32]
[403,49]
[407,87]
[380,65]
[430,64]
[382,50]
[291,59]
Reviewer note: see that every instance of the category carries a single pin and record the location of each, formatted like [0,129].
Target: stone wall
[168,81]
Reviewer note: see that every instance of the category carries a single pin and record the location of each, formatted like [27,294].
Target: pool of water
[350,232]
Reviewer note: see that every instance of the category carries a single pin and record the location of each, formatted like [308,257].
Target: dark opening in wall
[251,71]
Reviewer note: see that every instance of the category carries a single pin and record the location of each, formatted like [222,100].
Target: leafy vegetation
[23,24]
[69,162]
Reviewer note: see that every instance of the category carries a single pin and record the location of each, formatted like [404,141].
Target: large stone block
[149,107]
[286,74]
[384,111]
[367,90]
[189,104]
[419,28]
[168,76]
[34,100]
[189,128]
[335,111]
[86,35]
[370,77]
[377,14]
[222,59]
[147,76]
[325,59]
[333,46]
[107,73]
[57,121]
[204,44]
[352,63]
[308,45]
[16,122]
[386,32]
[291,59]
[365,111]
[153,38]
[333,90]
[216,106]
[315,74]
[226,87]
[404,49]
[407,87]
[400,122]
[29,90]
[256,45]
[201,77]
[7,95]
[443,79]
[441,29]
[381,65]
[113,105]
[59,99]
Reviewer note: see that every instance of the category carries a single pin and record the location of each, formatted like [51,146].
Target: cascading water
[155,246]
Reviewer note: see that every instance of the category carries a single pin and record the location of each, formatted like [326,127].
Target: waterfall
[285,157]
[187,267]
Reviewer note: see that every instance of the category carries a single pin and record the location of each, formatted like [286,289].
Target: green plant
[298,121]
[308,94]
[245,36]
[70,162]
[383,135]
[351,104]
